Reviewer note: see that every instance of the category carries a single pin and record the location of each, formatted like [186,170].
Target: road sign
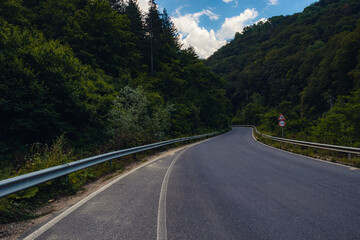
[282,123]
[281,117]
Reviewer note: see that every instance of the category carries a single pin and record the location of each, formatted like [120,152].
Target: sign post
[282,124]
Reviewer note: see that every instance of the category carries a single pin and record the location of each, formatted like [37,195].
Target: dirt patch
[12,231]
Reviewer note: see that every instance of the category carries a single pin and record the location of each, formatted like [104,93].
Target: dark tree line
[97,72]
[305,65]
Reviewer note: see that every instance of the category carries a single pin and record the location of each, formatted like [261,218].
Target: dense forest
[99,72]
[305,66]
[83,77]
[102,73]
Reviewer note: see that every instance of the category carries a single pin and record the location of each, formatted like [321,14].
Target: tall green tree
[14,12]
[83,68]
[45,91]
[51,16]
[118,5]
[101,37]
[305,58]
[169,41]
[153,27]
[137,27]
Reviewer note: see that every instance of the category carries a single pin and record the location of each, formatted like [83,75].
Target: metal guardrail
[22,182]
[351,150]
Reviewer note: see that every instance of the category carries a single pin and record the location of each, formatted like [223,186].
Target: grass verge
[332,156]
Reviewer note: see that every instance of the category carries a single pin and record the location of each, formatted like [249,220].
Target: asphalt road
[229,187]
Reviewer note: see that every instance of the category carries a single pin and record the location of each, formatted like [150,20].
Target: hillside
[85,70]
[305,66]
[84,77]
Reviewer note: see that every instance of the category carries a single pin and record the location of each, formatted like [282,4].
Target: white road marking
[297,154]
[161,221]
[51,223]
[55,220]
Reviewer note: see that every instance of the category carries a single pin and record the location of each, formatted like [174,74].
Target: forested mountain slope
[84,77]
[99,72]
[305,65]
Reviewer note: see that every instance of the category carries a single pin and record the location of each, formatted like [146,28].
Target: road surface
[228,187]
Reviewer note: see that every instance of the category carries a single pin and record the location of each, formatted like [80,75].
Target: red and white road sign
[282,123]
[281,117]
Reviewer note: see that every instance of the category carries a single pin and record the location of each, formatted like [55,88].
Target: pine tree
[102,38]
[169,37]
[153,27]
[137,25]
[117,5]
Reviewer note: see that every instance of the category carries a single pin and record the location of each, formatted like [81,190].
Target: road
[228,187]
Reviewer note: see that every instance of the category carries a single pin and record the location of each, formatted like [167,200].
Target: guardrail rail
[350,150]
[22,182]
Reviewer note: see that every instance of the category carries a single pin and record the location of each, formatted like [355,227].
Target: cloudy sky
[207,25]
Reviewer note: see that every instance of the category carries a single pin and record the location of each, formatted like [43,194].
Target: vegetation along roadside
[85,77]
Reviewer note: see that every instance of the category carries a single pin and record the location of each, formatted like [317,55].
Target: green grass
[327,155]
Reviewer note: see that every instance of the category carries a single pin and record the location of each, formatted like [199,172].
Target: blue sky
[207,25]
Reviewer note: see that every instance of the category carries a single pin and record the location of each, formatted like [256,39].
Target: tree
[118,5]
[135,118]
[51,16]
[45,91]
[137,27]
[153,27]
[101,37]
[13,12]
[306,59]
[169,41]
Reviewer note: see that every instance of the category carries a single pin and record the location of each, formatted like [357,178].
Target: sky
[207,25]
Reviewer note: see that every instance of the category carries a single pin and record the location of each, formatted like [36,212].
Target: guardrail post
[65,180]
[349,156]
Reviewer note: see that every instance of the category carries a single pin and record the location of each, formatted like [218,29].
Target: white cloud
[236,24]
[273,2]
[206,42]
[235,5]
[191,34]
[208,13]
[264,20]
[144,5]
[196,16]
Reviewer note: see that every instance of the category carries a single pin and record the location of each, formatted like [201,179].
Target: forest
[99,73]
[305,66]
[85,77]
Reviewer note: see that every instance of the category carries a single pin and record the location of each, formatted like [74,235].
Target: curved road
[228,187]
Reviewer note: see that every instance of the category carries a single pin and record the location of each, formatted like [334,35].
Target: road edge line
[62,215]
[300,155]
[161,233]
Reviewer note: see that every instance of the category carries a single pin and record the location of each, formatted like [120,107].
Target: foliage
[63,77]
[103,76]
[20,205]
[341,125]
[132,115]
[45,90]
[100,37]
[304,62]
